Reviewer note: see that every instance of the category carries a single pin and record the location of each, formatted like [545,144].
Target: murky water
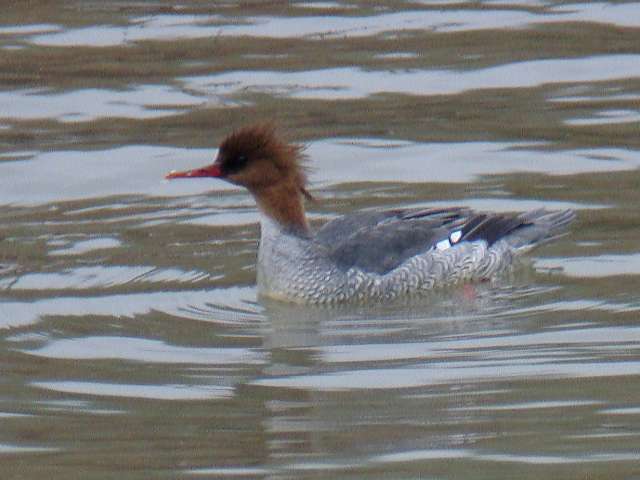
[132,344]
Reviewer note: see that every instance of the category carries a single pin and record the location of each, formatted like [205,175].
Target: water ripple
[230,306]
[351,83]
[171,27]
[144,350]
[152,392]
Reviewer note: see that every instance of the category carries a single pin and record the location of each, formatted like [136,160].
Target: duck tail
[539,227]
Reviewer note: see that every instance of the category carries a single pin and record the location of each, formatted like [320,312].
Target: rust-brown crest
[261,142]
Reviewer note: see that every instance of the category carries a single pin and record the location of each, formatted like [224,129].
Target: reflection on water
[137,170]
[166,27]
[346,83]
[132,343]
[88,104]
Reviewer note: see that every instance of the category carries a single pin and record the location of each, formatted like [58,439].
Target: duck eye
[241,162]
[236,164]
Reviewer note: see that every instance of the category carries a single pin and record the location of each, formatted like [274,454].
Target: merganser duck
[379,255]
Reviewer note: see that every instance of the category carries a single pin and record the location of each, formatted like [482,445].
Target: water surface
[132,344]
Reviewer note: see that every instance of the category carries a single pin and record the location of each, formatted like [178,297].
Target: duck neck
[282,204]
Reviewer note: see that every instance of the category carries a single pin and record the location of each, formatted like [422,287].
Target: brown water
[132,345]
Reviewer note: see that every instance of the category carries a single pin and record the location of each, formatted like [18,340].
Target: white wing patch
[455,236]
[443,244]
[449,242]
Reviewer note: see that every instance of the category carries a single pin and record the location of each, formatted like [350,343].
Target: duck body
[366,256]
[376,256]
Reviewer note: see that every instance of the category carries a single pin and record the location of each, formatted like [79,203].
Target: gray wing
[378,242]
